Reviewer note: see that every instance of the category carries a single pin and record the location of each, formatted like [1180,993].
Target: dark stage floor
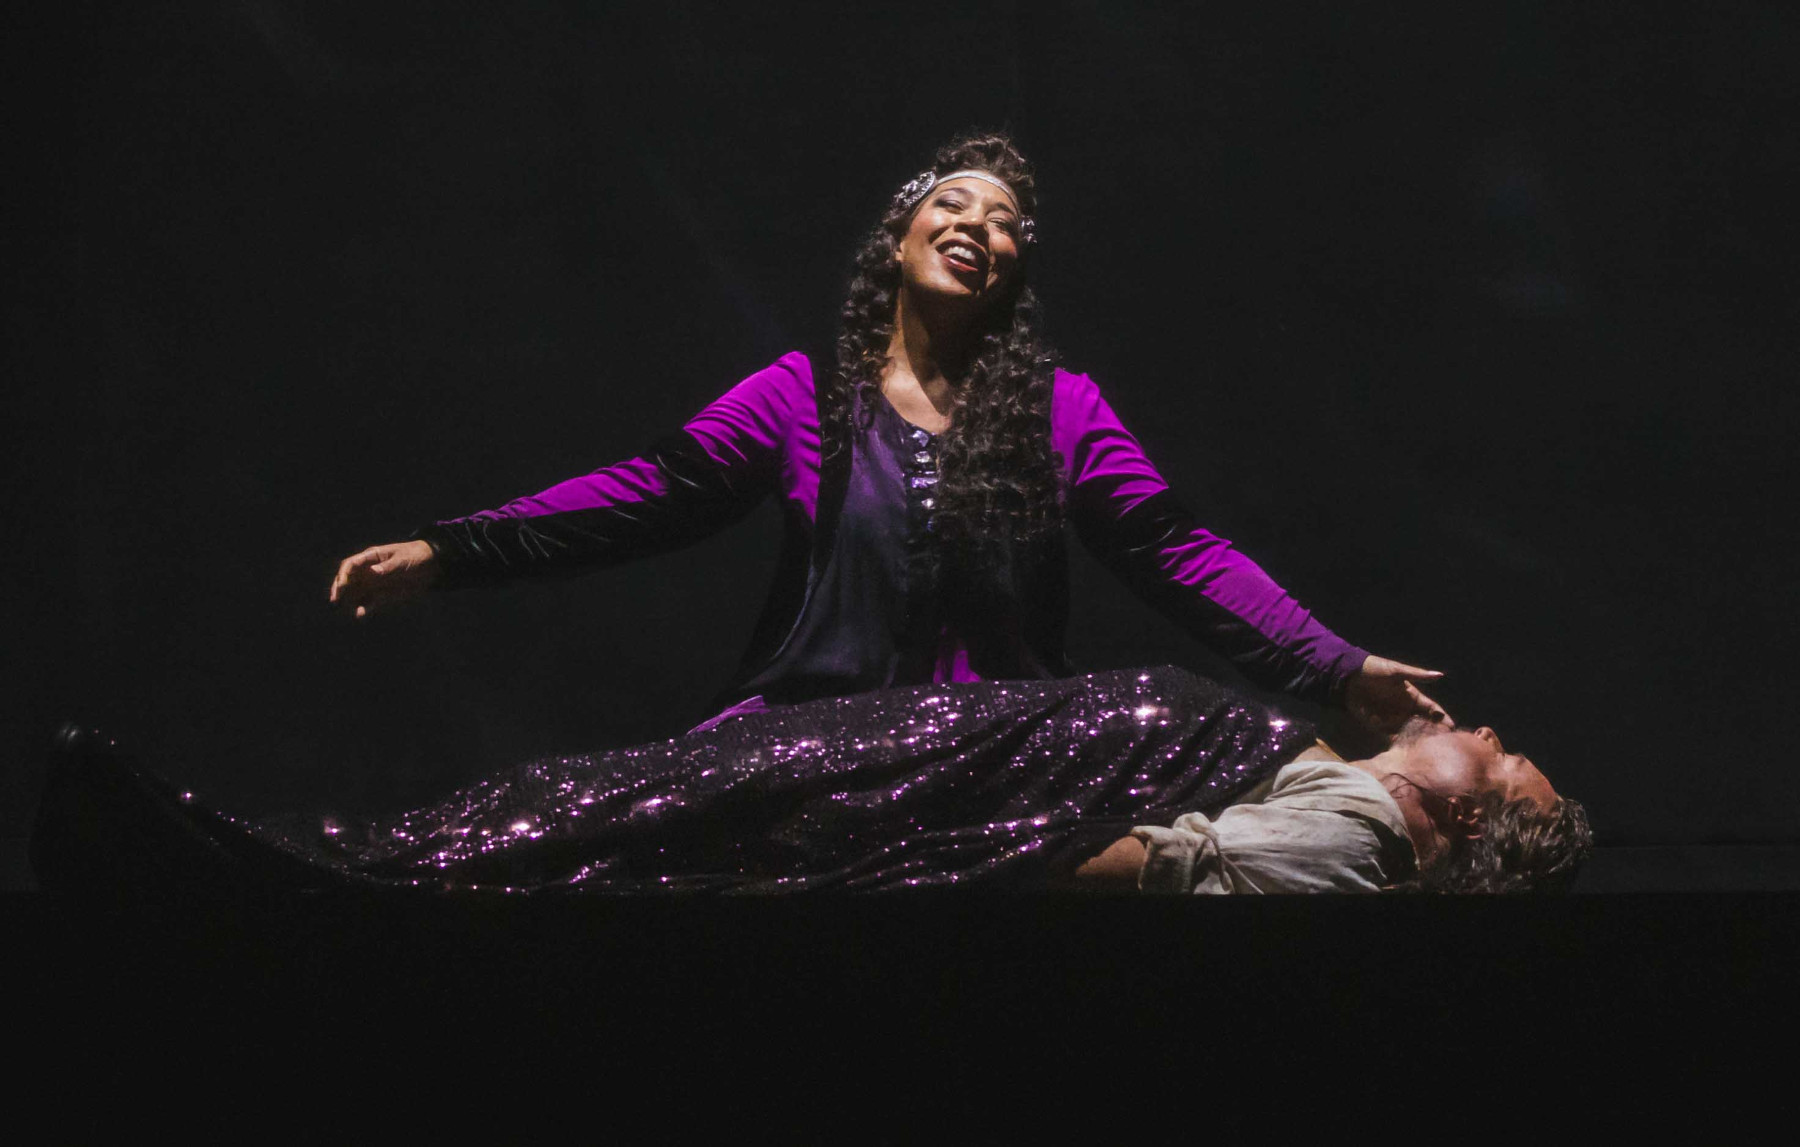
[1676,958]
[881,994]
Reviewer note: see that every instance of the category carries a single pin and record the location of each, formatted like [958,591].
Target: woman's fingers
[1384,699]
[341,578]
[380,576]
[1413,672]
[363,597]
[354,576]
[1433,711]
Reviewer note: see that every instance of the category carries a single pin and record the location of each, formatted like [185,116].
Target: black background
[1471,326]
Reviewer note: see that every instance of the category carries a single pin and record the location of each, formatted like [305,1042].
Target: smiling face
[962,242]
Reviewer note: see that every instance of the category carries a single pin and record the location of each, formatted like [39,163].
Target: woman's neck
[926,351]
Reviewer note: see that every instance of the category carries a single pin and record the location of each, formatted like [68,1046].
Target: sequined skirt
[982,783]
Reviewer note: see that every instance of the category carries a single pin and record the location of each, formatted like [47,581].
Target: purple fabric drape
[990,783]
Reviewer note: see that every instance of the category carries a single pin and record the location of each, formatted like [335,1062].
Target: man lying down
[1151,779]
[1440,810]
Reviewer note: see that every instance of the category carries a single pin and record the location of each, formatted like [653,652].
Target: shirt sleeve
[1322,828]
[1125,514]
[687,486]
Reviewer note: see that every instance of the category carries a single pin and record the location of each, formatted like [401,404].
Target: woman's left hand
[1383,696]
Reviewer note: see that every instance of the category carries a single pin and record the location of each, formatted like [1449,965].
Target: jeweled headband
[917,188]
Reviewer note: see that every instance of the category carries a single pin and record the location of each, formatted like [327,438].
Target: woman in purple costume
[905,713]
[925,478]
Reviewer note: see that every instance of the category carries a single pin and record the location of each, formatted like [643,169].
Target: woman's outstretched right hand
[383,576]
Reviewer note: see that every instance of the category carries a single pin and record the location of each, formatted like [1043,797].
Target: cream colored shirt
[1315,826]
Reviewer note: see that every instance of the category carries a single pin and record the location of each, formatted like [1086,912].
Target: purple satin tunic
[850,610]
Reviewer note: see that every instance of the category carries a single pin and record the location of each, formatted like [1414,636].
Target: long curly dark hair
[998,477]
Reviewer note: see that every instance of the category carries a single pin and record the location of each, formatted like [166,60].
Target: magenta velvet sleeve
[1124,512]
[760,437]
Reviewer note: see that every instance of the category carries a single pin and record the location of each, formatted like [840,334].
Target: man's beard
[1418,728]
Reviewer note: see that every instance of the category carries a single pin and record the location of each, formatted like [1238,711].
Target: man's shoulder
[1309,773]
[1319,751]
[1335,786]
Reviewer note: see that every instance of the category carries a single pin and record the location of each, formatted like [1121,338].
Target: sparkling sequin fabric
[972,783]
